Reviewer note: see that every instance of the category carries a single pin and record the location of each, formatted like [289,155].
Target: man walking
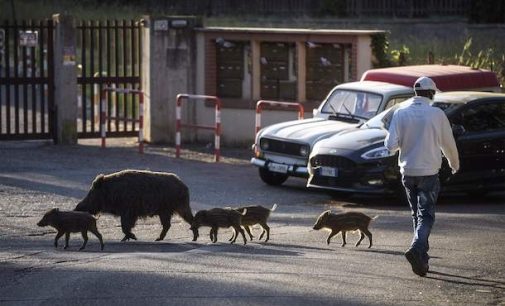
[421,132]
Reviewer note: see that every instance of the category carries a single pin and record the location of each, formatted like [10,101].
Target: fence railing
[109,54]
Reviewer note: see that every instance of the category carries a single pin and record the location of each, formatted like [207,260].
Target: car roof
[463,97]
[376,87]
[447,77]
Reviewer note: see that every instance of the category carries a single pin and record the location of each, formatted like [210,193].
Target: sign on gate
[28,38]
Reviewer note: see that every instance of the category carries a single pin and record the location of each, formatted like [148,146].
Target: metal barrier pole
[178,126]
[217,138]
[103,113]
[103,106]
[141,122]
[216,127]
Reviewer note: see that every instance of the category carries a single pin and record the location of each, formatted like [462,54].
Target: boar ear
[98,181]
[326,213]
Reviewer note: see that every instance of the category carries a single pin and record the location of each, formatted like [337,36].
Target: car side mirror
[315,112]
[458,130]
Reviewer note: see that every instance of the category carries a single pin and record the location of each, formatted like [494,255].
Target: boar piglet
[256,215]
[350,221]
[133,194]
[66,222]
[216,218]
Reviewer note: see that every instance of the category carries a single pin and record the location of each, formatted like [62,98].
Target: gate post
[65,81]
[168,65]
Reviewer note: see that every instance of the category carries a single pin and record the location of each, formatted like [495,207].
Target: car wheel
[272,178]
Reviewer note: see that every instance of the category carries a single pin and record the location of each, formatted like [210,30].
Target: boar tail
[244,212]
[375,217]
[273,207]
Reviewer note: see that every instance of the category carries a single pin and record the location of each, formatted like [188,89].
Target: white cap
[425,83]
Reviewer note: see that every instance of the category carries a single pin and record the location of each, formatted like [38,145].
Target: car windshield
[355,103]
[382,120]
[377,122]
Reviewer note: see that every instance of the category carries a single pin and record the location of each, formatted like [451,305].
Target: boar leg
[266,229]
[213,234]
[165,222]
[369,235]
[344,234]
[362,236]
[248,230]
[67,237]
[233,235]
[58,236]
[127,223]
[85,238]
[333,233]
[241,231]
[95,232]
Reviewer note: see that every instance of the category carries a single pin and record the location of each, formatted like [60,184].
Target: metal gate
[26,80]
[109,55]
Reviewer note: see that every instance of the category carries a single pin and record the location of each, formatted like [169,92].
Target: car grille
[283,147]
[333,181]
[333,161]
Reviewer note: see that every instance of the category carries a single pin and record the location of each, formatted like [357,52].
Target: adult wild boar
[133,194]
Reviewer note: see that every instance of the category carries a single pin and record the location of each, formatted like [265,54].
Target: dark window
[325,69]
[278,71]
[484,117]
[230,68]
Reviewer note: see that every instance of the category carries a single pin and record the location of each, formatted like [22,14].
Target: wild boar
[66,222]
[256,215]
[216,218]
[350,221]
[133,194]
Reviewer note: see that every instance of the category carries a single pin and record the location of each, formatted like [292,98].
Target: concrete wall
[65,80]
[168,62]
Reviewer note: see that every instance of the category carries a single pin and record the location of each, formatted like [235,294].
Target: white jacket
[421,132]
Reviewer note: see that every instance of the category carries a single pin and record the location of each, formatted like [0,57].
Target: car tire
[272,178]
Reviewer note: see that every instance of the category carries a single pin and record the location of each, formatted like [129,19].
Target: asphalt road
[295,267]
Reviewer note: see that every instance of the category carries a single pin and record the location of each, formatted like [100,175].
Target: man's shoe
[418,267]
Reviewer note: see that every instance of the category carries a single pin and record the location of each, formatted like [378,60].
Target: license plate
[278,168]
[328,171]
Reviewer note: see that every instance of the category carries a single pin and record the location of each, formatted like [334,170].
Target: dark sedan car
[356,161]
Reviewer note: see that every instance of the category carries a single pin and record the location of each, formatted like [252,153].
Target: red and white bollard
[103,114]
[179,125]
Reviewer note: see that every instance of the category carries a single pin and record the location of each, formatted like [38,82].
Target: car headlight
[380,152]
[264,145]
[304,151]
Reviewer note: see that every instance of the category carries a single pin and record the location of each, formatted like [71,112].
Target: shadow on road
[464,280]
